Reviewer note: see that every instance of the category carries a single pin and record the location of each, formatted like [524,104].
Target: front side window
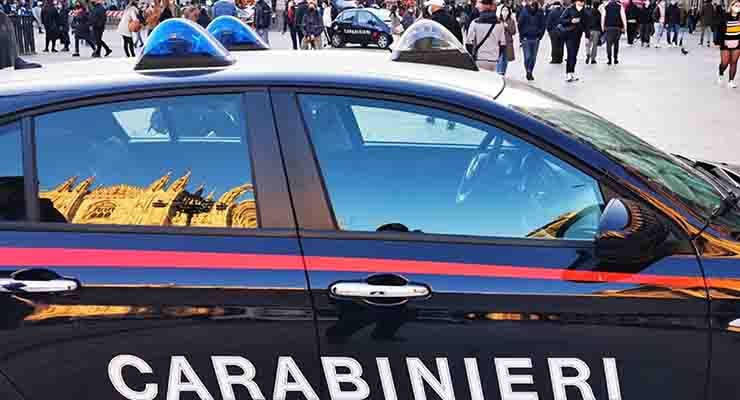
[12,205]
[394,166]
[347,16]
[177,161]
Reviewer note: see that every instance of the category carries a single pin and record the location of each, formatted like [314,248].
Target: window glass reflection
[12,207]
[179,161]
[401,167]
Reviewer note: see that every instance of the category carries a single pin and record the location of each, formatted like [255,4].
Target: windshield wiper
[728,201]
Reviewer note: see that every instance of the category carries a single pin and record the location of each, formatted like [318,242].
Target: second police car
[363,26]
[274,225]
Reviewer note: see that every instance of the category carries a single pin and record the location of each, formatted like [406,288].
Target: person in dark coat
[203,18]
[438,13]
[81,28]
[593,31]
[63,23]
[632,25]
[289,23]
[645,20]
[50,19]
[573,20]
[98,18]
[673,21]
[300,12]
[531,26]
[556,41]
[707,18]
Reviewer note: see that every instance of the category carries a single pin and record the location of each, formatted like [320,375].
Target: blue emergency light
[235,35]
[181,43]
[428,42]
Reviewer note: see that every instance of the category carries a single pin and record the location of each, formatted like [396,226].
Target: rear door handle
[364,290]
[37,280]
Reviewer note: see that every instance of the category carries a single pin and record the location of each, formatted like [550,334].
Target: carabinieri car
[360,26]
[274,225]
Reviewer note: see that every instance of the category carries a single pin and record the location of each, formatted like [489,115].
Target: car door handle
[364,290]
[37,280]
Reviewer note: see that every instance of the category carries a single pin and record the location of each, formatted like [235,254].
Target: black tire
[337,40]
[384,41]
[364,44]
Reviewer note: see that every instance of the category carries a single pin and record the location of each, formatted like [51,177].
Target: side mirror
[629,234]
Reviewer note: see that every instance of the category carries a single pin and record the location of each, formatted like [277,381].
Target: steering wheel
[478,163]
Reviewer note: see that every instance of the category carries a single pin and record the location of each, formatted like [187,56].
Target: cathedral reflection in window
[179,161]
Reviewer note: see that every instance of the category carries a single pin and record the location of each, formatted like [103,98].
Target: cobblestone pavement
[668,99]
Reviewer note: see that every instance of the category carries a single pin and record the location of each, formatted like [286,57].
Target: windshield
[659,168]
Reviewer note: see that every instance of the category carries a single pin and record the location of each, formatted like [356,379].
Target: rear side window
[178,161]
[12,205]
[391,166]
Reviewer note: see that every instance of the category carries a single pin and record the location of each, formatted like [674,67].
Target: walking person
[729,42]
[485,37]
[557,45]
[692,19]
[151,18]
[659,22]
[531,24]
[573,21]
[81,27]
[645,20]
[98,19]
[203,18]
[614,22]
[683,28]
[312,27]
[593,32]
[289,23]
[36,11]
[408,18]
[326,16]
[438,13]
[396,25]
[167,11]
[707,22]
[63,24]
[128,26]
[50,19]
[506,55]
[263,20]
[633,26]
[300,11]
[673,22]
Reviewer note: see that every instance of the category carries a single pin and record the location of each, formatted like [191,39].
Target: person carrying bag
[485,37]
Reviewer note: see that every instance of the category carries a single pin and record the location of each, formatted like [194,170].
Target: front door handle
[364,290]
[37,280]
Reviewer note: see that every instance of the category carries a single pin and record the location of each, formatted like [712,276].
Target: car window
[347,16]
[177,161]
[364,18]
[394,166]
[12,206]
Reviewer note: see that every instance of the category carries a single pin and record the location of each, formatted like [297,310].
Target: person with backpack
[98,19]
[613,22]
[531,26]
[557,45]
[128,26]
[263,19]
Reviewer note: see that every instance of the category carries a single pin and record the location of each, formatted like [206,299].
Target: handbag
[602,39]
[134,25]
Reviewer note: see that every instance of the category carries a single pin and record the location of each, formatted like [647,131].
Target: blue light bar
[181,43]
[235,35]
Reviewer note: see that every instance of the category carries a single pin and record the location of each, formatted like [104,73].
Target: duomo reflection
[158,204]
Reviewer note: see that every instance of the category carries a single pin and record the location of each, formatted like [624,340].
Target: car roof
[22,90]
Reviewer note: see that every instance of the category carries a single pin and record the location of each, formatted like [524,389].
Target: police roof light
[235,35]
[181,43]
[428,42]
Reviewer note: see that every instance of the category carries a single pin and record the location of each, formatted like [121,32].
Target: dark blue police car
[360,26]
[268,225]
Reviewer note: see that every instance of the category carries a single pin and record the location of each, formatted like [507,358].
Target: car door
[345,25]
[157,256]
[366,25]
[449,257]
